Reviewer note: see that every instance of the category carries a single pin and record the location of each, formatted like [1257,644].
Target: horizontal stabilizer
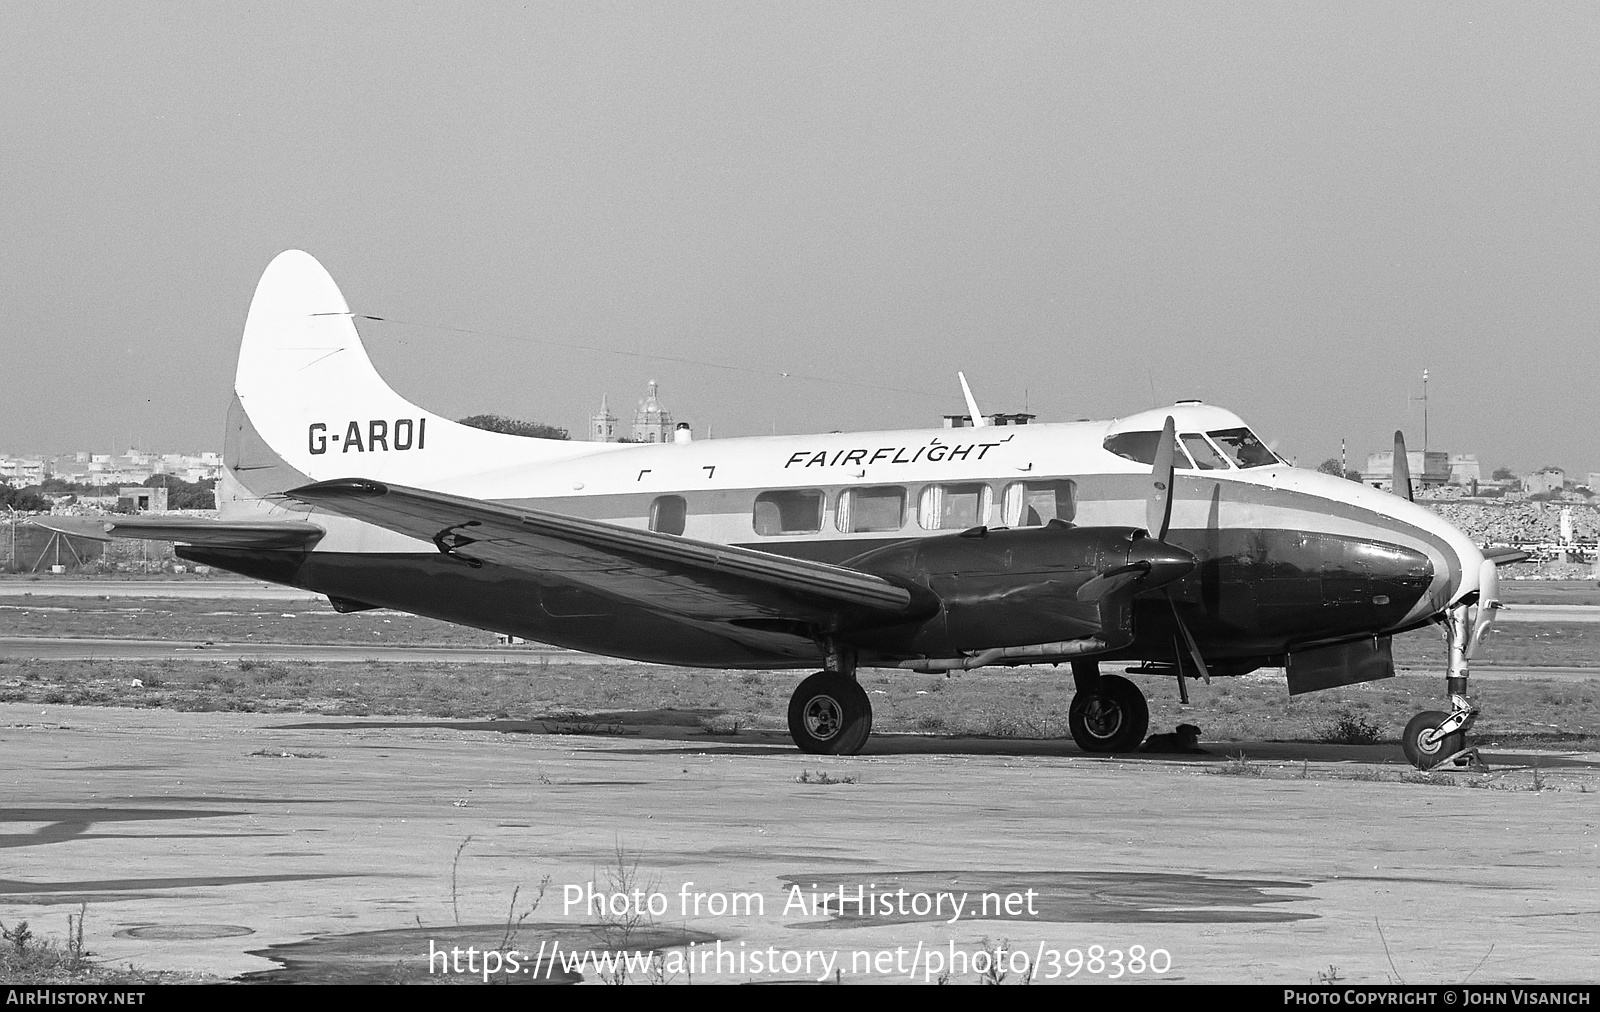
[662,571]
[189,530]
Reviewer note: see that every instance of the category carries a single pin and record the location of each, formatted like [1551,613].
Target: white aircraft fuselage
[1288,558]
[1171,537]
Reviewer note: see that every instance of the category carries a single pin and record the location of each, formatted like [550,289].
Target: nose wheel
[1424,744]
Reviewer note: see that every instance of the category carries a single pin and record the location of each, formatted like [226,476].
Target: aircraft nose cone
[1167,561]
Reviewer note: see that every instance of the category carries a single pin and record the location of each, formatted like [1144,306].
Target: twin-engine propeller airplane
[1173,539]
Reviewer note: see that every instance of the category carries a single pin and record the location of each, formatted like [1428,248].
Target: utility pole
[1421,472]
[1424,400]
[1424,419]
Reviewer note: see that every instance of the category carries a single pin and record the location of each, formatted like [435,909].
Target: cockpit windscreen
[1243,448]
[1240,445]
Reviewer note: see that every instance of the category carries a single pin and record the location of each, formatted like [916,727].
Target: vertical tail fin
[309,406]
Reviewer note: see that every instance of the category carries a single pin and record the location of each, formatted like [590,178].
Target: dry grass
[232,620]
[608,698]
[27,957]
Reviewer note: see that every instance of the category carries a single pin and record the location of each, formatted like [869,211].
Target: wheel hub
[1429,742]
[824,717]
[1102,718]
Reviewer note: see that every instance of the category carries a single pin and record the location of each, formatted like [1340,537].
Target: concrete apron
[324,848]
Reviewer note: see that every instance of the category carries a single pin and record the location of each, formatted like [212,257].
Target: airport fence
[25,548]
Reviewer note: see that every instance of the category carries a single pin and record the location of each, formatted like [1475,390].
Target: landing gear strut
[1108,712]
[1434,737]
[830,714]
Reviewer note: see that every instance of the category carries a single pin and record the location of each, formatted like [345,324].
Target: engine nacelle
[1002,588]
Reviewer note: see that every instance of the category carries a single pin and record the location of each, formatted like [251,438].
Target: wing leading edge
[265,534]
[665,572]
[1506,556]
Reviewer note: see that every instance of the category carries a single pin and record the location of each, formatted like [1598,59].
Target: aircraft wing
[665,572]
[1505,556]
[189,530]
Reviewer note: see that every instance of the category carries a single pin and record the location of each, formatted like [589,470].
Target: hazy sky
[1288,209]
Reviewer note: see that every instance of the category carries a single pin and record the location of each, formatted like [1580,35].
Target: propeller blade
[1188,639]
[1158,509]
[1402,468]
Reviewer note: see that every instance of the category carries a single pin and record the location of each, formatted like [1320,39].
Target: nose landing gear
[1433,738]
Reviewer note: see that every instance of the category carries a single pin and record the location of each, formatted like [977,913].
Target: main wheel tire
[1419,752]
[830,714]
[1112,719]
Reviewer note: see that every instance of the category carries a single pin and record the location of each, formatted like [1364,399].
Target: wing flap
[263,534]
[675,574]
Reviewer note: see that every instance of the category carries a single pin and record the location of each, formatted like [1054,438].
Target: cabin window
[793,511]
[1244,448]
[1036,503]
[871,509]
[953,507]
[1205,455]
[668,514]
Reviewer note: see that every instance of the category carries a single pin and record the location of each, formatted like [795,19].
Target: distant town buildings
[1464,469]
[21,473]
[1454,475]
[652,423]
[139,499]
[1001,418]
[1429,469]
[110,471]
[1550,479]
[603,425]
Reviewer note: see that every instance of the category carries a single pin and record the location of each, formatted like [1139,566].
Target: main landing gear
[1108,712]
[830,714]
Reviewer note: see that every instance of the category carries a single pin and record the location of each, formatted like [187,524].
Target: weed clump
[821,777]
[723,725]
[1430,778]
[1351,727]
[1238,766]
[26,957]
